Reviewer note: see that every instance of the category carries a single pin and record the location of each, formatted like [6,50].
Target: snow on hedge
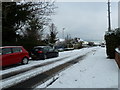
[117,50]
[115,32]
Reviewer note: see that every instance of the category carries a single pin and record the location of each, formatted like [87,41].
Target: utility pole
[109,21]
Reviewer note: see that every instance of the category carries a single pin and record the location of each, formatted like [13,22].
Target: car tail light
[40,51]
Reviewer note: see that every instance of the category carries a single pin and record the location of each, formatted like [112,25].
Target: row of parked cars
[17,54]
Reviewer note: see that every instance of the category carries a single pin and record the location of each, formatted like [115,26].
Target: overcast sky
[86,20]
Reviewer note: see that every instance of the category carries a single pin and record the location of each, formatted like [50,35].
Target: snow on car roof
[9,46]
[41,46]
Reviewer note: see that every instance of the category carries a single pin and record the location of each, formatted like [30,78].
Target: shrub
[112,39]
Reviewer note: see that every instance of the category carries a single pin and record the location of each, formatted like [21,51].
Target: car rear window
[15,50]
[6,51]
[38,49]
[46,48]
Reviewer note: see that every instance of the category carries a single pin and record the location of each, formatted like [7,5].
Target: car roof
[9,46]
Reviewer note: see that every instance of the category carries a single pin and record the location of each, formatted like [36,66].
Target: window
[6,51]
[50,48]
[36,49]
[15,50]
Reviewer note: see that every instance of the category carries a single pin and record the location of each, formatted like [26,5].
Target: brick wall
[117,57]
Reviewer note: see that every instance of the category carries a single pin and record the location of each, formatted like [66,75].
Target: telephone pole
[109,21]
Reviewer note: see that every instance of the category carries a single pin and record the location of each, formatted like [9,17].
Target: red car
[12,55]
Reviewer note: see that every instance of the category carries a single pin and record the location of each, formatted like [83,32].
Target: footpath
[95,71]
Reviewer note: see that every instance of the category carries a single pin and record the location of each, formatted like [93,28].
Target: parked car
[12,55]
[43,52]
[102,45]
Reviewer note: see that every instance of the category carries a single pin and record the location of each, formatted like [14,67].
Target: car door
[7,57]
[17,54]
[51,52]
[46,52]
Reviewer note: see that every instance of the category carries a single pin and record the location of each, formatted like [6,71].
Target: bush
[112,41]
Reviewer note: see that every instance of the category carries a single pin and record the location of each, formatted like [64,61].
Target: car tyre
[56,55]
[44,57]
[25,61]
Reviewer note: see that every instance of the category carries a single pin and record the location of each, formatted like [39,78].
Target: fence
[117,56]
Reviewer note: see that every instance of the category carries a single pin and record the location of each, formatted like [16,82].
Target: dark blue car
[43,52]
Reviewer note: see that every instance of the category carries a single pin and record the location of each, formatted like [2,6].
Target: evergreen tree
[8,22]
[53,33]
[24,20]
[12,16]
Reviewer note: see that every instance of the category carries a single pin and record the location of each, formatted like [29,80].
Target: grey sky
[86,20]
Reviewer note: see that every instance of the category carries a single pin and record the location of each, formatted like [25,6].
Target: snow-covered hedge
[117,50]
[115,32]
[112,39]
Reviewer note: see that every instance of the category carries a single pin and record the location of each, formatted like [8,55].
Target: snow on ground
[95,71]
[26,75]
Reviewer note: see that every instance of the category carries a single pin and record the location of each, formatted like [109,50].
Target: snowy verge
[28,66]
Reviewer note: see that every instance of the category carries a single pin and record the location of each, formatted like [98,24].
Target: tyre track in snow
[41,78]
[13,73]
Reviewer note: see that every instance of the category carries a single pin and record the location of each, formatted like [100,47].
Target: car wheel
[56,55]
[25,60]
[44,57]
